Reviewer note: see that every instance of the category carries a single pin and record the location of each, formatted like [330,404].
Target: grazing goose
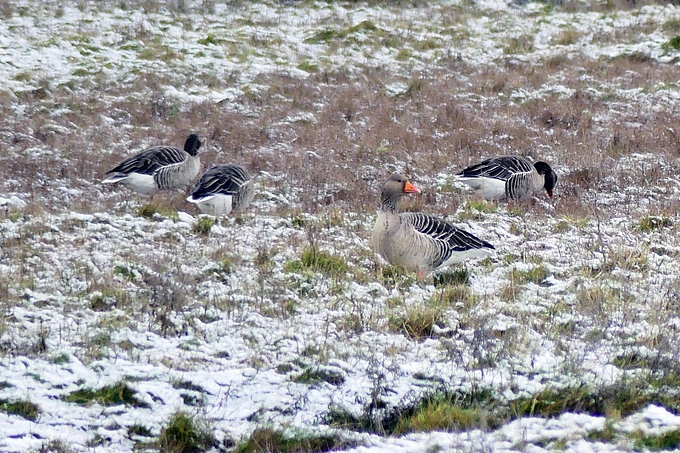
[223,189]
[418,241]
[509,177]
[159,168]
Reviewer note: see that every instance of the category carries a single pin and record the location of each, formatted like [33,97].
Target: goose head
[192,144]
[396,187]
[399,185]
[550,176]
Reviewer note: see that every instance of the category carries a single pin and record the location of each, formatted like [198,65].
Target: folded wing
[222,179]
[498,167]
[446,238]
[151,160]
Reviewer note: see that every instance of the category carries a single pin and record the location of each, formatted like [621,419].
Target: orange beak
[410,188]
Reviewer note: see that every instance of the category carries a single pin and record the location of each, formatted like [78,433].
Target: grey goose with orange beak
[419,241]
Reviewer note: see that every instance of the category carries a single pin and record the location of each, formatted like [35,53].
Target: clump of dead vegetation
[321,146]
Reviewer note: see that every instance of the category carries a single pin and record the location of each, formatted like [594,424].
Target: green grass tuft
[403,55]
[666,441]
[210,39]
[308,66]
[184,435]
[456,277]
[442,410]
[396,276]
[187,385]
[60,359]
[54,446]
[265,440]
[483,206]
[139,430]
[623,398]
[341,418]
[519,45]
[26,409]
[603,435]
[191,400]
[671,45]
[328,35]
[551,402]
[147,211]
[475,210]
[454,294]
[442,413]
[107,396]
[418,322]
[203,225]
[536,274]
[567,37]
[152,210]
[653,223]
[481,409]
[317,261]
[124,272]
[562,226]
[109,297]
[315,375]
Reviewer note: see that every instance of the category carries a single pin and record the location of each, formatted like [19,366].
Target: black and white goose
[509,177]
[419,241]
[159,168]
[223,189]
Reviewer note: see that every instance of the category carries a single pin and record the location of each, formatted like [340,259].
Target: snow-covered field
[233,327]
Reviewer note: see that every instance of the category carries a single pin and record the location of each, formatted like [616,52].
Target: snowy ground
[223,325]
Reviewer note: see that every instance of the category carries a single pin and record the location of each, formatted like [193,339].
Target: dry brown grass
[360,135]
[329,141]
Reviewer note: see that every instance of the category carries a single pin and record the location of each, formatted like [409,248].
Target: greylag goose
[159,168]
[223,189]
[509,177]
[419,241]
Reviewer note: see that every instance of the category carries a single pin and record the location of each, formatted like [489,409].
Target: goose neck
[389,202]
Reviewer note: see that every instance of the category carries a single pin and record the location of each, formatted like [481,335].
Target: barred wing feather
[498,167]
[454,238]
[150,161]
[223,179]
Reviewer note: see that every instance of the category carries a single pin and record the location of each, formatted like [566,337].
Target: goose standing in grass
[159,168]
[223,189]
[419,241]
[509,177]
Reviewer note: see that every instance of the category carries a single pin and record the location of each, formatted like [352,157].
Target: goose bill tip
[410,188]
